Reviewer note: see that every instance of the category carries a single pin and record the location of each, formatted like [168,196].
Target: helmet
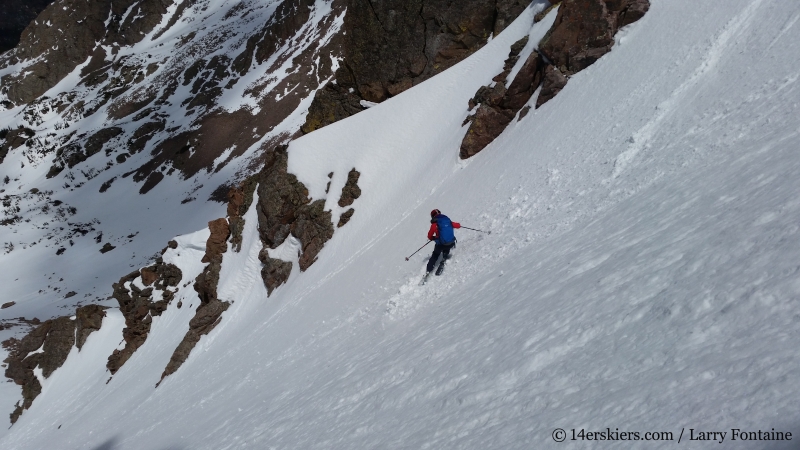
[435,213]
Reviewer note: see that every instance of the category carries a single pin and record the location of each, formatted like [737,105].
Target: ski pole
[474,229]
[409,256]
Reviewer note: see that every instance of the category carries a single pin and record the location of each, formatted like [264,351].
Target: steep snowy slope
[641,273]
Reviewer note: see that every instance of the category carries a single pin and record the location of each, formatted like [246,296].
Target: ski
[440,269]
[424,278]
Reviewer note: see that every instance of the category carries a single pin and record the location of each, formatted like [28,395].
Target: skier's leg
[437,250]
[446,252]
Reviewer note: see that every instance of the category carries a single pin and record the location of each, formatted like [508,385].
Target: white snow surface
[641,273]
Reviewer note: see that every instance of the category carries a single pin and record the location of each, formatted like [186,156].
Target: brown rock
[350,191]
[149,276]
[217,242]
[525,83]
[345,217]
[138,307]
[313,227]
[275,272]
[554,81]
[88,319]
[8,305]
[486,125]
[55,338]
[391,45]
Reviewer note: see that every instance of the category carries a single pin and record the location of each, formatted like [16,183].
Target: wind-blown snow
[642,271]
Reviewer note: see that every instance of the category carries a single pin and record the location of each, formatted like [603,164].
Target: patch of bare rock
[583,31]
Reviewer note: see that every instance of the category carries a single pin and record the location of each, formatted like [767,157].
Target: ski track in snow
[649,292]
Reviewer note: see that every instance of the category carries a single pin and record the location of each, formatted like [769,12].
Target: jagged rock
[389,46]
[207,316]
[345,217]
[275,272]
[237,197]
[584,31]
[107,247]
[149,276]
[280,195]
[313,227]
[12,139]
[513,57]
[525,83]
[331,104]
[83,26]
[486,125]
[350,191]
[209,312]
[8,305]
[554,82]
[138,308]
[217,242]
[88,319]
[54,338]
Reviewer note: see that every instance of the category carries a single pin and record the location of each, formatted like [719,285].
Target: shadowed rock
[390,46]
[47,347]
[138,307]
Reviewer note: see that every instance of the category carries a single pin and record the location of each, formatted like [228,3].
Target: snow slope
[642,271]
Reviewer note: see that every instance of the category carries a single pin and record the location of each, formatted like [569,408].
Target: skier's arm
[432,232]
[456,225]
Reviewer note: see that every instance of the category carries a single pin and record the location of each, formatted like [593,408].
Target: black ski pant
[439,249]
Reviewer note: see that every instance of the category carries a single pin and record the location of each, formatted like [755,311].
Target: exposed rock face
[47,347]
[554,81]
[582,32]
[284,207]
[217,243]
[275,272]
[84,23]
[88,319]
[487,123]
[138,306]
[17,15]
[138,92]
[350,191]
[11,139]
[209,313]
[74,154]
[345,217]
[499,105]
[392,45]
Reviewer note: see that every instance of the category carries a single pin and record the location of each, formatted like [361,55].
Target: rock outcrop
[583,31]
[284,208]
[275,272]
[209,312]
[139,307]
[390,46]
[350,191]
[46,347]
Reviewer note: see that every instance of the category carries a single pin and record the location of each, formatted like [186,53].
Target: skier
[441,232]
